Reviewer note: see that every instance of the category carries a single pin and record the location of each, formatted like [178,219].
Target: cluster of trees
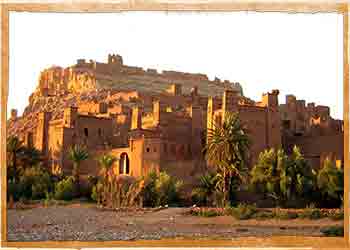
[290,180]
[28,179]
[25,177]
[287,179]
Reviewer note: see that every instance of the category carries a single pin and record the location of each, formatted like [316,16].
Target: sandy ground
[86,222]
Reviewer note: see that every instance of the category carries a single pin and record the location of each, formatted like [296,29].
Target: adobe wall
[137,149]
[255,120]
[92,165]
[316,146]
[93,131]
[41,138]
[151,155]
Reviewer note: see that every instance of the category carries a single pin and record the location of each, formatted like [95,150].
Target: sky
[300,54]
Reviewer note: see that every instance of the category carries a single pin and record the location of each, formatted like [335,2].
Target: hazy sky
[298,54]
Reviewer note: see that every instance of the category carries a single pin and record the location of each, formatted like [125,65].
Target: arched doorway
[124,164]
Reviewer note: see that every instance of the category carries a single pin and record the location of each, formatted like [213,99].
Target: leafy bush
[337,215]
[34,183]
[161,190]
[205,193]
[284,214]
[286,179]
[95,192]
[118,191]
[243,211]
[13,190]
[262,215]
[149,194]
[207,212]
[333,231]
[65,189]
[330,182]
[311,212]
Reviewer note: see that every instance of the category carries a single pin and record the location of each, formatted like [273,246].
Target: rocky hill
[92,82]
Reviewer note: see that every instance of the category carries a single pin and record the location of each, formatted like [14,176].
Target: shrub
[34,183]
[330,182]
[206,191]
[97,192]
[263,215]
[311,212]
[118,191]
[13,190]
[243,211]
[161,190]
[333,231]
[285,178]
[284,214]
[65,189]
[337,215]
[207,212]
[168,189]
[149,193]
[86,188]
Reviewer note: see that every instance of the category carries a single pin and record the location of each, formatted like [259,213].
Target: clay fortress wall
[163,127]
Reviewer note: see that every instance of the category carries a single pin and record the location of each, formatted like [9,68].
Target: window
[165,148]
[154,149]
[86,132]
[147,150]
[100,132]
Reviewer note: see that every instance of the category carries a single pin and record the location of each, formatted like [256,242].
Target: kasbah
[158,121]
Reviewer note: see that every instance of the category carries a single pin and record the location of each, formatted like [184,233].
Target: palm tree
[206,189]
[14,147]
[226,149]
[266,173]
[106,161]
[77,154]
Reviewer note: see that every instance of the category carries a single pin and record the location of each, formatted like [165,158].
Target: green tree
[330,182]
[14,147]
[284,178]
[265,175]
[297,177]
[77,154]
[226,149]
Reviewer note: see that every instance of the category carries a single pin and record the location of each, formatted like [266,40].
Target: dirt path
[88,223]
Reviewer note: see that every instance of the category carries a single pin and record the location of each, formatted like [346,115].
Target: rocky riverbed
[87,222]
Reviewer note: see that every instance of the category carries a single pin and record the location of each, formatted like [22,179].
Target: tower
[158,109]
[41,139]
[229,102]
[136,119]
[70,116]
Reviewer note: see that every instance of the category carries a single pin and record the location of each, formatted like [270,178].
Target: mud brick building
[152,120]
